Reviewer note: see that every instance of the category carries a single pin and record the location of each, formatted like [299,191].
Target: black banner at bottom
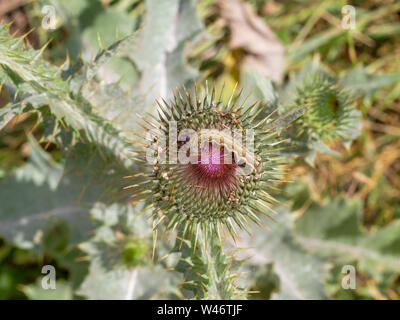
[198,309]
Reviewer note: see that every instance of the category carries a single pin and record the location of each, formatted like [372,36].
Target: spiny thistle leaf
[125,283]
[80,73]
[56,193]
[42,84]
[300,273]
[159,50]
[63,291]
[38,183]
[338,233]
[120,252]
[360,82]
[207,271]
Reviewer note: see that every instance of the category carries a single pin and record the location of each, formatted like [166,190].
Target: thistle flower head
[212,163]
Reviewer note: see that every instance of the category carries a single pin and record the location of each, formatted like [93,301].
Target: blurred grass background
[369,169]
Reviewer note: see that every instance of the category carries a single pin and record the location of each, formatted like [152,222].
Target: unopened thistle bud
[330,110]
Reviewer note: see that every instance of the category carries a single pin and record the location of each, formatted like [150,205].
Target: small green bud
[135,252]
[330,109]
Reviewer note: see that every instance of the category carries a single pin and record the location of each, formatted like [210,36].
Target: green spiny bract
[330,113]
[209,197]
